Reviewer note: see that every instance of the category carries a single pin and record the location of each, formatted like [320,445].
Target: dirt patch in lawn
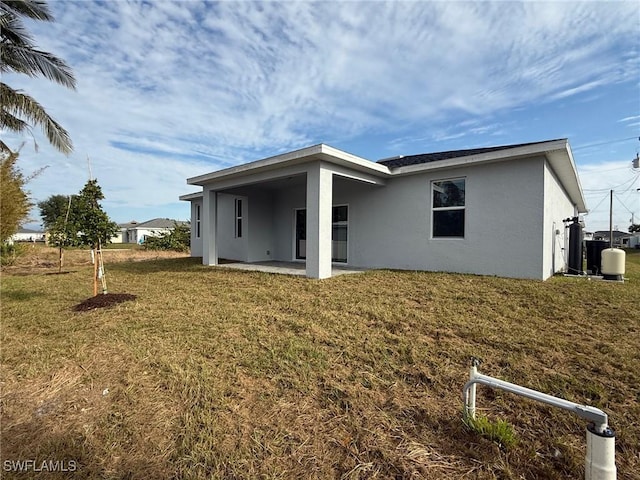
[103,301]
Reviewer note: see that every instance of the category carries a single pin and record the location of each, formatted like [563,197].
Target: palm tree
[18,111]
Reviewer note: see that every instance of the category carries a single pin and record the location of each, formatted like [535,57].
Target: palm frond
[35,9]
[11,122]
[13,31]
[32,62]
[17,104]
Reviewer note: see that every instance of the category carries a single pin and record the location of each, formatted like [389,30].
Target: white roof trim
[557,153]
[320,152]
[191,196]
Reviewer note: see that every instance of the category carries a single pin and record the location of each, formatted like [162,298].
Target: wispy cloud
[171,89]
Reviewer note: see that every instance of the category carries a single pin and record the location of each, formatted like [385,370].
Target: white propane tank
[613,263]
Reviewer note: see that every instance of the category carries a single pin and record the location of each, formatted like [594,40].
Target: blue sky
[173,89]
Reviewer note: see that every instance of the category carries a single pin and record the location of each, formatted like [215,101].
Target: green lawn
[218,373]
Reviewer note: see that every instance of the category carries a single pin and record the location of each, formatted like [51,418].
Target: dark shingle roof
[153,223]
[158,223]
[434,157]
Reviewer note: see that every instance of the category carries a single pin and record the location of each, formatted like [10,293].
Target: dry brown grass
[217,373]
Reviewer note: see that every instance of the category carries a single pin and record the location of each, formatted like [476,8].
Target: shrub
[9,253]
[178,239]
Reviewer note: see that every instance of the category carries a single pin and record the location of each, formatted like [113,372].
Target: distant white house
[137,232]
[491,210]
[620,239]
[28,235]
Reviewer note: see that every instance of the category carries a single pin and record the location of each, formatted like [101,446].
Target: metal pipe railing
[600,458]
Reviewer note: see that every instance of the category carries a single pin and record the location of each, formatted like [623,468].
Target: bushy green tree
[52,209]
[178,239]
[79,219]
[634,228]
[89,219]
[14,200]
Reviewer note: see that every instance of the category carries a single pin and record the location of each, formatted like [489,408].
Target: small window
[448,208]
[238,218]
[197,220]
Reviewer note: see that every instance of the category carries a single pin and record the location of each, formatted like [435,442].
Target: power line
[608,142]
[622,203]
[626,184]
[591,210]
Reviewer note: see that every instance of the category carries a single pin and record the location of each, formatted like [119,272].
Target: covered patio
[273,213]
[284,268]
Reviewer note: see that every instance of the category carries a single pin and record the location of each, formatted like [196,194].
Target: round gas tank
[613,263]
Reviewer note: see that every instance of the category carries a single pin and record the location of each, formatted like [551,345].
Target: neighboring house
[620,239]
[28,235]
[137,232]
[492,211]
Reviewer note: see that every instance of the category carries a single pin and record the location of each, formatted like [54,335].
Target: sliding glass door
[339,233]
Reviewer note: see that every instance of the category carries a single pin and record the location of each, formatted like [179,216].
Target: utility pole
[611,221]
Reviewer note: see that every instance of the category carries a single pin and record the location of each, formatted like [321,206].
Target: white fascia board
[355,174]
[563,165]
[190,196]
[348,160]
[316,152]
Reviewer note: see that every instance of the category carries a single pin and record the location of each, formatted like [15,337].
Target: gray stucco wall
[260,226]
[229,246]
[391,226]
[508,225]
[557,207]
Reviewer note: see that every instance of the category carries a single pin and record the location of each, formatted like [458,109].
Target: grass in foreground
[215,373]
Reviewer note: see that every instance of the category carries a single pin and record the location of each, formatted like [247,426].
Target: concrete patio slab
[287,268]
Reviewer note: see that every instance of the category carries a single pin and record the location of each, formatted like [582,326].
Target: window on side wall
[197,221]
[448,208]
[238,218]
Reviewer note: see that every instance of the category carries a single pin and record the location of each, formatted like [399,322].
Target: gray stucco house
[492,211]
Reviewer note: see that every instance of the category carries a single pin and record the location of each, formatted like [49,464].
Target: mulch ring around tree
[103,301]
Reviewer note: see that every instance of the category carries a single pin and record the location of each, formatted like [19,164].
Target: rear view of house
[491,211]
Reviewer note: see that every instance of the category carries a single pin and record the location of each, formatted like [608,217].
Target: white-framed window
[197,220]
[448,208]
[339,233]
[238,218]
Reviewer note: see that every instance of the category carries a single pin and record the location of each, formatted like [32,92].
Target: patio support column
[209,227]
[319,203]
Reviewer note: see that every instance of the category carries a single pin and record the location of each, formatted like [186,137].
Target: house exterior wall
[557,207]
[510,211]
[137,235]
[28,237]
[390,227]
[229,246]
[284,205]
[259,226]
